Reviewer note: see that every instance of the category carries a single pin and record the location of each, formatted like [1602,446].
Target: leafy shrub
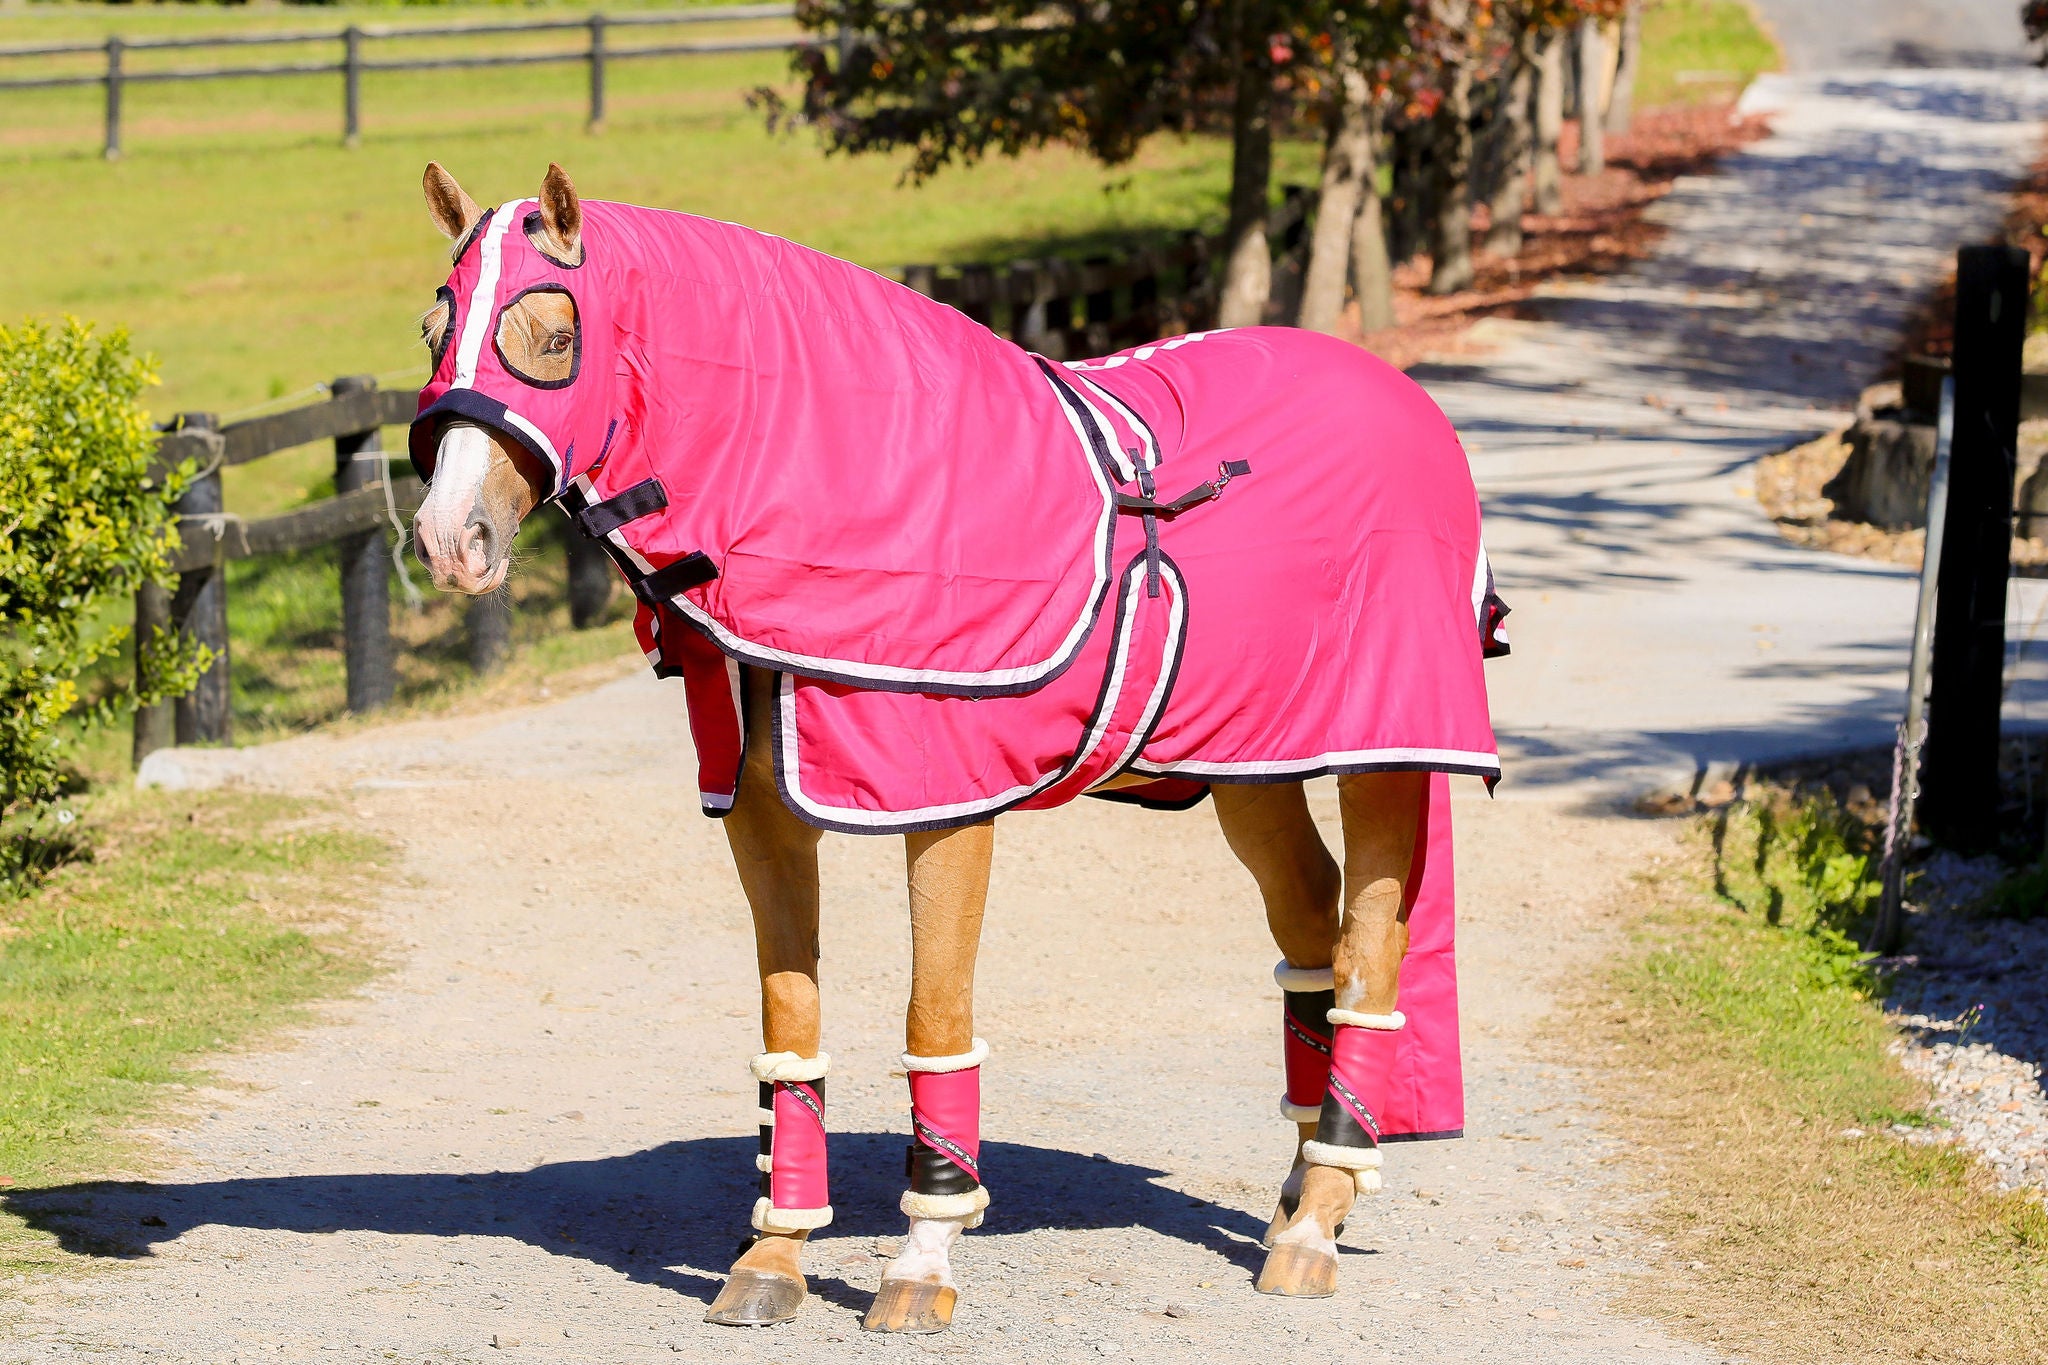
[85,520]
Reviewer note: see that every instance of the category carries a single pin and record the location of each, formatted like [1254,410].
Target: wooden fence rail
[596,52]
[1068,309]
[357,520]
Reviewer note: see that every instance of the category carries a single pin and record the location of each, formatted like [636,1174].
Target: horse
[911,577]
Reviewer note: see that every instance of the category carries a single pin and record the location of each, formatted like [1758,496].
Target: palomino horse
[880,547]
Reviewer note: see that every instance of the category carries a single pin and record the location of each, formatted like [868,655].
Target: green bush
[85,520]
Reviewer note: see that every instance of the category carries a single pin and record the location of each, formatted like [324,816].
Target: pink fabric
[1413,1080]
[1307,1058]
[796,1179]
[945,1113]
[900,511]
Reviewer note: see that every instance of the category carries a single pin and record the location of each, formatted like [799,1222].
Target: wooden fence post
[596,124]
[351,86]
[365,568]
[111,148]
[152,723]
[488,623]
[592,581]
[1961,785]
[199,609]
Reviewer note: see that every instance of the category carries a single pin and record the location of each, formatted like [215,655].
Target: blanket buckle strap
[1146,505]
[693,570]
[599,519]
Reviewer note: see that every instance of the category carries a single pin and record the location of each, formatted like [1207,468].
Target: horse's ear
[454,212]
[561,215]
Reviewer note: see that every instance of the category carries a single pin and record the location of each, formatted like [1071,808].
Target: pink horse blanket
[985,581]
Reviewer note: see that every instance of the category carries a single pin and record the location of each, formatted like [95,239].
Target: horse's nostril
[484,538]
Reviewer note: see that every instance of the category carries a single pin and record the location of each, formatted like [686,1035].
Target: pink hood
[762,435]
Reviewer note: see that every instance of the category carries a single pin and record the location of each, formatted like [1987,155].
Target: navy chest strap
[600,519]
[693,570]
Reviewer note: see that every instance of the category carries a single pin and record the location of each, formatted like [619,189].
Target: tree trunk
[1592,75]
[1347,169]
[1621,104]
[1409,211]
[1549,176]
[1248,269]
[1451,227]
[1372,273]
[1511,190]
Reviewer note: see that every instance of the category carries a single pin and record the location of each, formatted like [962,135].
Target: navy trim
[576,334]
[435,353]
[1067,769]
[478,408]
[469,239]
[1086,419]
[532,226]
[1441,1135]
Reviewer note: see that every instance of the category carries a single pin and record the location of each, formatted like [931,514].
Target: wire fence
[596,49]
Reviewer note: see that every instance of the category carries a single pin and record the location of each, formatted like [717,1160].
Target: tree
[1362,46]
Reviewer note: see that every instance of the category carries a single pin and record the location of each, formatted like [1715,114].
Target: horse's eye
[558,344]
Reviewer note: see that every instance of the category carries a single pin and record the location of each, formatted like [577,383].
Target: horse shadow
[672,1216]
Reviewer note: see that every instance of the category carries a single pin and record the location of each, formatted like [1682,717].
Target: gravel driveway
[537,1128]
[1824,35]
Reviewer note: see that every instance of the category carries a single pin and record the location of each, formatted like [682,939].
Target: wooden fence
[1067,309]
[358,521]
[595,52]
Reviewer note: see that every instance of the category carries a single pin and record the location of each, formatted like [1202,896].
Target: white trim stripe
[790,768]
[476,322]
[1148,449]
[943,677]
[1421,758]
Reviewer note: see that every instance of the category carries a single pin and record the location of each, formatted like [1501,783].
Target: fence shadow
[671,1215]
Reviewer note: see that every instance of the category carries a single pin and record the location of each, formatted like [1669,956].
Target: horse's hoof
[911,1306]
[752,1298]
[1298,1272]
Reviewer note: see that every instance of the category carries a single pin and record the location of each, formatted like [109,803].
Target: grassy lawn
[197,924]
[1735,1046]
[1697,50]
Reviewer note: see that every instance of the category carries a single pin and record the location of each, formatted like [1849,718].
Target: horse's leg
[948,890]
[1382,812]
[777,858]
[1270,830]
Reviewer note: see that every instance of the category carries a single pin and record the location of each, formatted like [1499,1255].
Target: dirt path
[537,1127]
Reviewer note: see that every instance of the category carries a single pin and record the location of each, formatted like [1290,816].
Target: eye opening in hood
[536,237]
[437,344]
[576,335]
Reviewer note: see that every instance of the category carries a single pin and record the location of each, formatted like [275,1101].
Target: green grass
[1699,50]
[1734,1048]
[256,257]
[197,924]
